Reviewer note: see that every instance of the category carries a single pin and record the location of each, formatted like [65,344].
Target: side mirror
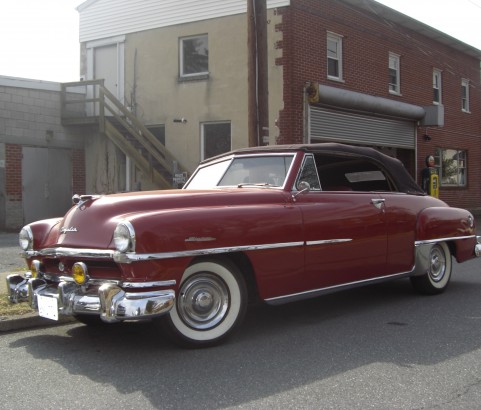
[302,187]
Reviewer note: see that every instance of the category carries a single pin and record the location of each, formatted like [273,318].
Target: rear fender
[455,226]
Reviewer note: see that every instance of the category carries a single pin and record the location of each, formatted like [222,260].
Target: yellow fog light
[80,273]
[35,268]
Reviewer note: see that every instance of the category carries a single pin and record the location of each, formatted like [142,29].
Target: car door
[345,237]
[345,231]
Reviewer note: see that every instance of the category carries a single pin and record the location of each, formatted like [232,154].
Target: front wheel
[437,277]
[210,305]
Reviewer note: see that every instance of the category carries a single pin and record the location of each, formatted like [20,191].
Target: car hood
[91,224]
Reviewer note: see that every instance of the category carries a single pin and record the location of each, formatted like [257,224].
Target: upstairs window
[394,74]
[465,95]
[334,56]
[194,56]
[436,86]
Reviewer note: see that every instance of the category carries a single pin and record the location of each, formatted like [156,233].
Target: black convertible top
[395,168]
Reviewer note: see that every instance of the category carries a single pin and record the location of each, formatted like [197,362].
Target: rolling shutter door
[347,127]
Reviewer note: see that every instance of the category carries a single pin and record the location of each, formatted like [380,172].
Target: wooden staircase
[90,103]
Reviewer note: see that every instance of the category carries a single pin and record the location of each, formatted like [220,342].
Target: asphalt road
[379,347]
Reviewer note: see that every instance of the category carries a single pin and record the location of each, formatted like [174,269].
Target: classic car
[272,224]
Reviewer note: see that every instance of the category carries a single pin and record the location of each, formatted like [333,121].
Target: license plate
[47,307]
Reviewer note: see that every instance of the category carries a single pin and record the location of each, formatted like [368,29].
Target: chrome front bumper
[109,300]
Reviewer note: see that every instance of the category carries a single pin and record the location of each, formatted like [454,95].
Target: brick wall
[78,171]
[367,41]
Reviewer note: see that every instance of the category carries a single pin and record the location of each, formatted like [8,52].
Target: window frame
[182,74]
[337,39]
[437,86]
[395,88]
[465,95]
[460,176]
[203,136]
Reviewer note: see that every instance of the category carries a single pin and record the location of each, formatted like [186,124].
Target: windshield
[263,170]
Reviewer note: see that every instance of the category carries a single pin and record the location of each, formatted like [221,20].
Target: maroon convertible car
[275,224]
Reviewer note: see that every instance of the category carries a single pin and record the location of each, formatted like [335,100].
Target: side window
[194,56]
[348,174]
[309,174]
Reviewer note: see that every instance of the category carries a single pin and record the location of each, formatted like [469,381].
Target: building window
[194,56]
[436,86]
[215,139]
[394,74]
[158,131]
[451,166]
[334,56]
[465,95]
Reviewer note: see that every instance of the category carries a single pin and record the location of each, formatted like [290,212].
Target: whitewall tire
[210,305]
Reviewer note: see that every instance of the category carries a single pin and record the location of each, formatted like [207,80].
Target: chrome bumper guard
[110,301]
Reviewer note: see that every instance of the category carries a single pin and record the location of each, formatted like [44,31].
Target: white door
[105,67]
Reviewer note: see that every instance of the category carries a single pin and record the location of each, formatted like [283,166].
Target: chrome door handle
[378,203]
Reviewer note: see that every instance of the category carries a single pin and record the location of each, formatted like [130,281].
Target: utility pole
[257,78]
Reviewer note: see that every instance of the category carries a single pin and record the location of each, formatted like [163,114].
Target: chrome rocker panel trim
[110,301]
[279,300]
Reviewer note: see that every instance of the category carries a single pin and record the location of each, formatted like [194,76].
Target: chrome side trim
[143,285]
[431,241]
[133,257]
[130,257]
[327,242]
[331,289]
[72,252]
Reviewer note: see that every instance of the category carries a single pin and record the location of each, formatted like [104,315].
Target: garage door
[327,124]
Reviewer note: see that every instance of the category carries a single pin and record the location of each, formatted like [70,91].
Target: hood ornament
[81,200]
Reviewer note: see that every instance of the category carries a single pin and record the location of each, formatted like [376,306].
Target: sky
[39,38]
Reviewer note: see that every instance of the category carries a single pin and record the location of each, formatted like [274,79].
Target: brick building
[41,162]
[358,72]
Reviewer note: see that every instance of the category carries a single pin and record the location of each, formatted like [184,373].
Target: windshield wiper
[259,184]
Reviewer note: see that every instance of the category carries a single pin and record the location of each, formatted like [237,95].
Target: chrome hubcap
[438,264]
[203,301]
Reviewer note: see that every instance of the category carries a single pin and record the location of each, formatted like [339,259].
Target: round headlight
[25,238]
[124,237]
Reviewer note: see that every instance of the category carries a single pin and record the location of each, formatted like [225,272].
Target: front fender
[215,227]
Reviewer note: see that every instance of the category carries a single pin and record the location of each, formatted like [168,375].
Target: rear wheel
[437,277]
[210,305]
